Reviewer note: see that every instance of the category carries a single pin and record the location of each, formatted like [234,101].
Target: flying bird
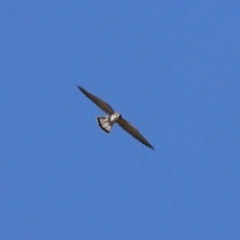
[106,123]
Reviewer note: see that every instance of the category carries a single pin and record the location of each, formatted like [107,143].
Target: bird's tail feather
[104,124]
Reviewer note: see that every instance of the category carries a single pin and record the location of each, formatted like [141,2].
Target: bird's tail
[104,124]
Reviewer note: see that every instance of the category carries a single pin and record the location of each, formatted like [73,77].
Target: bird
[106,122]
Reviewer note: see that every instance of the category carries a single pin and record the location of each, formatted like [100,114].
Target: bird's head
[117,115]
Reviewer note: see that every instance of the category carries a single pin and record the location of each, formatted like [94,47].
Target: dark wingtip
[152,147]
[80,87]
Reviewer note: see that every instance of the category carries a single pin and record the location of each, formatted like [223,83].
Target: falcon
[106,122]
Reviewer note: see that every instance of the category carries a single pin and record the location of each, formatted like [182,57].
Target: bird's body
[114,117]
[106,123]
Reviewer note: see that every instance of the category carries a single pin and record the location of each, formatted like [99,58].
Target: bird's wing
[134,132]
[100,103]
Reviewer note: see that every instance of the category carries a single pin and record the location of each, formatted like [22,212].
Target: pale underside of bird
[106,123]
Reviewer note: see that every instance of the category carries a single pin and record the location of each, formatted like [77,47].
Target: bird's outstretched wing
[133,131]
[100,103]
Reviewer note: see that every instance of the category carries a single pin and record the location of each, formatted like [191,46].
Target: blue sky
[171,68]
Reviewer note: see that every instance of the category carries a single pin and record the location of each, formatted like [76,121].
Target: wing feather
[99,102]
[128,127]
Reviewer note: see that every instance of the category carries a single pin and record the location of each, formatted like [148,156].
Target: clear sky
[171,68]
